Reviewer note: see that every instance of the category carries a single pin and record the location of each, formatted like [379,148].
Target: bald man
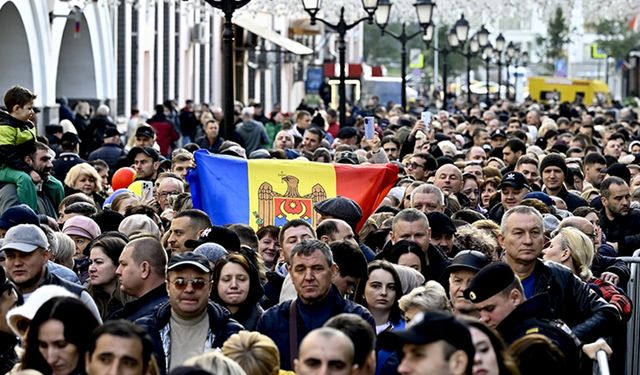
[449,179]
[325,351]
[607,268]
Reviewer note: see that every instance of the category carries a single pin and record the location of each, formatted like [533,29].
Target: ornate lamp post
[228,7]
[312,7]
[478,41]
[487,54]
[500,44]
[452,42]
[511,55]
[424,10]
[522,59]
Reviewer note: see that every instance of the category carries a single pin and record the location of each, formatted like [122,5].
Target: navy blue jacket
[275,321]
[221,327]
[142,306]
[110,153]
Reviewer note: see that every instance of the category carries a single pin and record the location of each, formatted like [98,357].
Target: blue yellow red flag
[271,192]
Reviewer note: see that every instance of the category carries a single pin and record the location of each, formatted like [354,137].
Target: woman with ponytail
[572,248]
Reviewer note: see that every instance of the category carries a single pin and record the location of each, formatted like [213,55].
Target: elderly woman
[85,179]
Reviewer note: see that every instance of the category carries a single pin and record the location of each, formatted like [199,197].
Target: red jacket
[166,134]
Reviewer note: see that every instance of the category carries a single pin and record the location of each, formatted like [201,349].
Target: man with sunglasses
[189,323]
[420,166]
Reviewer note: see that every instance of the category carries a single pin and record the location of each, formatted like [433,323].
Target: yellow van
[559,89]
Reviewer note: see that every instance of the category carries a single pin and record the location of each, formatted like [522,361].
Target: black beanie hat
[554,160]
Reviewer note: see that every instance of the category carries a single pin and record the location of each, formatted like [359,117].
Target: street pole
[487,61]
[341,29]
[403,38]
[499,77]
[445,68]
[469,79]
[228,7]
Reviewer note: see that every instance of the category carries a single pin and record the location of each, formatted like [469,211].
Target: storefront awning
[249,24]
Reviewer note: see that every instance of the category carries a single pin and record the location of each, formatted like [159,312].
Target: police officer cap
[490,281]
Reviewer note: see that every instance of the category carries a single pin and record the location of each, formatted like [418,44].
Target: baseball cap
[145,131]
[110,131]
[217,234]
[70,138]
[431,327]
[149,151]
[189,259]
[25,238]
[21,214]
[468,260]
[347,157]
[514,179]
[498,133]
[489,281]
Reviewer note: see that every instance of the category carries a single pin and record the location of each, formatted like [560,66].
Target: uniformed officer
[497,294]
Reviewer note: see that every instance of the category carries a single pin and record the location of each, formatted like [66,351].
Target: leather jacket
[589,316]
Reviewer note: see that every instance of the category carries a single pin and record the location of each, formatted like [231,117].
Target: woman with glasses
[236,286]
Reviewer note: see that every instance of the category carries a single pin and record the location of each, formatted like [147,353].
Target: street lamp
[228,7]
[511,54]
[488,54]
[478,41]
[452,42]
[500,44]
[521,59]
[312,7]
[424,10]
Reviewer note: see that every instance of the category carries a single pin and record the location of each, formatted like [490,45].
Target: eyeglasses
[167,193]
[414,165]
[196,284]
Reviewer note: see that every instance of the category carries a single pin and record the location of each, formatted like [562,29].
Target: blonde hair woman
[431,296]
[215,363]
[572,248]
[256,353]
[84,178]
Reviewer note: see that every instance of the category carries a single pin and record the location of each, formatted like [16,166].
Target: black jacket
[437,263]
[275,321]
[533,316]
[64,163]
[142,306]
[221,327]
[8,355]
[603,263]
[624,230]
[110,153]
[573,201]
[589,316]
[496,212]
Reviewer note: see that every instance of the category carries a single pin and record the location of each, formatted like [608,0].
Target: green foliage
[385,50]
[556,39]
[615,38]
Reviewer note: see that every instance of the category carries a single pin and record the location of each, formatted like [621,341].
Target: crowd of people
[496,252]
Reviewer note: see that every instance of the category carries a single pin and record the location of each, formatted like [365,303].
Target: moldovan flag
[271,192]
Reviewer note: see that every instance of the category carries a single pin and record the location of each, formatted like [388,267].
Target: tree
[615,38]
[555,41]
